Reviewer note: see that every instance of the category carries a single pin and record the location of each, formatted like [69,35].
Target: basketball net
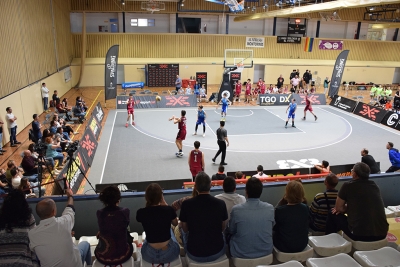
[239,67]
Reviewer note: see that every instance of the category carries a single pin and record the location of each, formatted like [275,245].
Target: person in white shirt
[16,178]
[229,196]
[295,82]
[275,90]
[51,238]
[45,96]
[260,172]
[188,90]
[12,127]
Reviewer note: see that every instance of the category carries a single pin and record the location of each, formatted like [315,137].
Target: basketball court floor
[257,135]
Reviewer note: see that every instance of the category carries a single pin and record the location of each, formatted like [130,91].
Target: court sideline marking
[108,148]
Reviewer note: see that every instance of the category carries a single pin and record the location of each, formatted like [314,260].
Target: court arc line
[108,148]
[281,118]
[235,116]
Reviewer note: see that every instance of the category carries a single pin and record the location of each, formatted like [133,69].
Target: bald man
[29,164]
[51,239]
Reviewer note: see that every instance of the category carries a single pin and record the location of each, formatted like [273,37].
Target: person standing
[55,97]
[223,142]
[1,137]
[130,105]
[37,134]
[326,85]
[225,102]
[45,97]
[295,83]
[196,160]
[370,161]
[181,133]
[394,157]
[280,82]
[201,119]
[308,107]
[238,91]
[12,127]
[292,112]
[306,78]
[178,84]
[197,91]
[248,91]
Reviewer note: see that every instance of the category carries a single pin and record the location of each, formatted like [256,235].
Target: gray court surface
[257,136]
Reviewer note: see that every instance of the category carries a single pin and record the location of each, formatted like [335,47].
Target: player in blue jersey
[197,91]
[292,109]
[201,119]
[225,102]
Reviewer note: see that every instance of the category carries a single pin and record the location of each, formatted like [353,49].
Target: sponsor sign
[288,40]
[370,112]
[330,45]
[88,146]
[296,28]
[316,99]
[111,66]
[274,99]
[257,42]
[133,85]
[95,127]
[177,101]
[98,113]
[234,77]
[343,103]
[392,120]
[73,175]
[337,73]
[162,75]
[201,78]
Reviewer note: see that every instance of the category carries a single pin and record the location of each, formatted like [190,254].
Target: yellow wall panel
[63,31]
[115,6]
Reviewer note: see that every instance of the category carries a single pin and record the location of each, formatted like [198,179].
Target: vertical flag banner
[111,65]
[309,44]
[337,73]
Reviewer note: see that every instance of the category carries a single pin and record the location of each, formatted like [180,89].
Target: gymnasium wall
[31,48]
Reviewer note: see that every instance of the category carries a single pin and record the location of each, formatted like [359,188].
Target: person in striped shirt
[323,203]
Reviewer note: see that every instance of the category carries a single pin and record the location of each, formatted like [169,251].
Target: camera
[40,148]
[72,148]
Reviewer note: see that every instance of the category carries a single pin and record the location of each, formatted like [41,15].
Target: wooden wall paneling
[115,6]
[12,66]
[37,36]
[63,31]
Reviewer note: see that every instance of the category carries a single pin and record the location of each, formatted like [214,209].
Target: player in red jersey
[256,90]
[308,107]
[248,91]
[262,88]
[130,108]
[182,131]
[196,160]
[238,91]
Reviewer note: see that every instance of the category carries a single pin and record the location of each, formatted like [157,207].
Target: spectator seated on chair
[25,186]
[51,238]
[284,201]
[260,172]
[16,177]
[63,139]
[16,220]
[323,203]
[81,103]
[230,197]
[239,175]
[79,112]
[29,164]
[370,161]
[203,219]
[382,102]
[291,228]
[4,187]
[52,152]
[47,161]
[68,129]
[220,175]
[160,245]
[360,199]
[11,165]
[394,157]
[388,105]
[65,104]
[53,127]
[251,223]
[323,167]
[46,133]
[60,108]
[114,246]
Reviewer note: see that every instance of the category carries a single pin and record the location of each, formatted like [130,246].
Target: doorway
[258,72]
[396,76]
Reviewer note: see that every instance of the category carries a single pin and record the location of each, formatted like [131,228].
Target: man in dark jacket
[394,157]
[370,161]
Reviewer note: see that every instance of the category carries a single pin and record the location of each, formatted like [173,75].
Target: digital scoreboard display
[162,75]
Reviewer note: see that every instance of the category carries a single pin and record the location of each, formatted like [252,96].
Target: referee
[223,142]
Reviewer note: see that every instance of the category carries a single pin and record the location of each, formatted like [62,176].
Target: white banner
[255,42]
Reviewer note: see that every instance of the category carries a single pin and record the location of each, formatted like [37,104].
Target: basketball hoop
[239,67]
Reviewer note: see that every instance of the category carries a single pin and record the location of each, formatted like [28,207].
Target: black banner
[343,103]
[296,29]
[201,78]
[73,175]
[98,113]
[177,101]
[288,40]
[88,146]
[392,120]
[337,73]
[274,99]
[94,126]
[234,77]
[316,99]
[111,66]
[162,75]
[225,88]
[370,112]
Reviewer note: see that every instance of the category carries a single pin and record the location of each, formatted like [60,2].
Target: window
[143,22]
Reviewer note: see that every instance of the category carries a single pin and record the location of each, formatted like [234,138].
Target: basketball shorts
[197,93]
[248,93]
[291,115]
[130,111]
[200,121]
[224,109]
[181,135]
[308,107]
[195,171]
[237,93]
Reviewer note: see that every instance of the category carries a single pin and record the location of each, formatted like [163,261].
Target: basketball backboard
[238,58]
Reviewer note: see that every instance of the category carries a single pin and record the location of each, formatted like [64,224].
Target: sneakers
[204,134]
[133,123]
[20,142]
[315,117]
[285,126]
[194,134]
[213,160]
[179,154]
[13,145]
[293,126]
[304,118]
[76,132]
[126,125]
[223,163]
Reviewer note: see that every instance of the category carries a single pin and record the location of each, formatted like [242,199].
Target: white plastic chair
[299,256]
[329,245]
[366,246]
[286,264]
[128,263]
[92,240]
[239,262]
[395,209]
[389,213]
[386,256]
[175,263]
[221,262]
[333,261]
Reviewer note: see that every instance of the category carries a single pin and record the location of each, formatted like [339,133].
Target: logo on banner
[163,66]
[369,112]
[313,99]
[177,101]
[235,76]
[94,127]
[337,100]
[254,42]
[228,94]
[99,113]
[201,76]
[390,121]
[294,164]
[111,66]
[339,68]
[87,144]
[274,99]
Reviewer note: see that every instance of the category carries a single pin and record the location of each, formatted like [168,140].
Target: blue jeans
[86,255]
[210,258]
[2,191]
[45,103]
[59,157]
[152,255]
[13,135]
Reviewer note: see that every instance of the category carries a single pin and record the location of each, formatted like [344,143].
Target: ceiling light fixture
[123,2]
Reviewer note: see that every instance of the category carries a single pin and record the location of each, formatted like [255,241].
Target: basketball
[158,98]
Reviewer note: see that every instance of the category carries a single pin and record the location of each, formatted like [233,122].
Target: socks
[180,150]
[204,129]
[286,123]
[195,129]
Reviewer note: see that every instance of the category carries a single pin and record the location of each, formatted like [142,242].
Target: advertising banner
[98,113]
[316,99]
[111,66]
[257,42]
[288,40]
[330,45]
[95,127]
[274,99]
[234,77]
[162,75]
[337,73]
[392,120]
[176,101]
[88,146]
[73,176]
[370,112]
[343,103]
[133,85]
[201,78]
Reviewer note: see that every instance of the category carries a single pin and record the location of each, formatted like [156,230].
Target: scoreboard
[162,75]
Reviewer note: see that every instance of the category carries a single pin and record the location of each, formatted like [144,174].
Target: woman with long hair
[52,152]
[16,220]
[160,245]
[113,248]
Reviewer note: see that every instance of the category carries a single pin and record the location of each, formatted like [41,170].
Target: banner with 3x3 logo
[370,112]
[392,120]
[169,101]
